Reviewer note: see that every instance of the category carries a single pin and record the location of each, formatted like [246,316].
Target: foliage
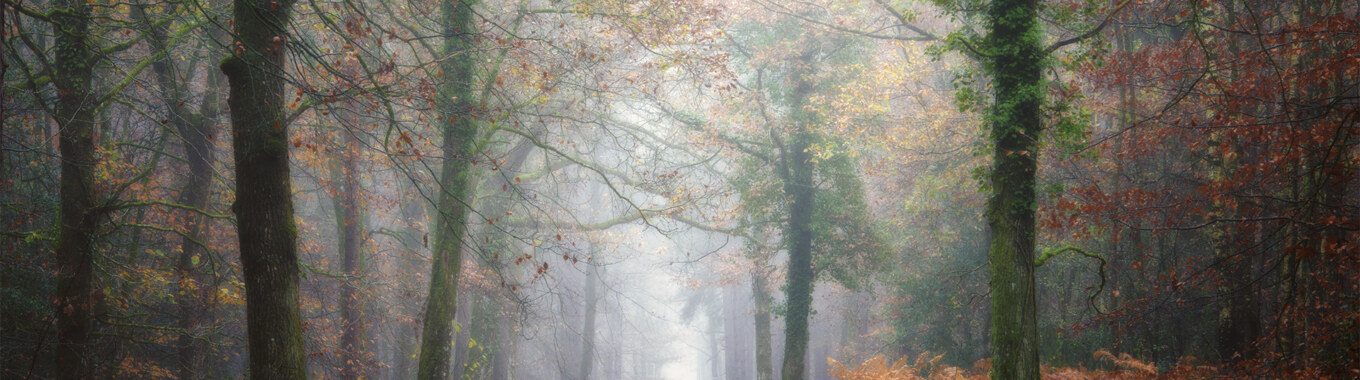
[926,367]
[923,368]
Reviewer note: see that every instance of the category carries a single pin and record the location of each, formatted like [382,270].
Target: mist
[679,189]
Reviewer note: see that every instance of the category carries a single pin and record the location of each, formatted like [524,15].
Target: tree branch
[1072,248]
[1089,33]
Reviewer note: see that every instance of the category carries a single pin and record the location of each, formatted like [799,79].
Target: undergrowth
[927,367]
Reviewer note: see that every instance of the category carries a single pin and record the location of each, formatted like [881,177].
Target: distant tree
[197,129]
[793,174]
[348,213]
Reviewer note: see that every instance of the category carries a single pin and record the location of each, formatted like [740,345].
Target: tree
[76,298]
[196,129]
[1016,68]
[459,131]
[796,170]
[350,220]
[588,320]
[264,194]
[1262,130]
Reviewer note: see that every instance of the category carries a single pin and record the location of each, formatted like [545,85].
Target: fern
[927,367]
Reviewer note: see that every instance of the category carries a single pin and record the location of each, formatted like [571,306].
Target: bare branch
[1088,33]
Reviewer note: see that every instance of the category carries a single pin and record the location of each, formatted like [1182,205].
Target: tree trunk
[500,358]
[491,309]
[1321,285]
[798,236]
[737,333]
[1015,128]
[715,357]
[264,199]
[75,298]
[351,240]
[455,102]
[408,336]
[588,330]
[764,366]
[464,311]
[1240,323]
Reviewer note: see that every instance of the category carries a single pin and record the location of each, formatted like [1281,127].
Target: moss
[459,140]
[1015,121]
[230,65]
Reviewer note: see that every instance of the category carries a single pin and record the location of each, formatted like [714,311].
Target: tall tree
[350,220]
[459,134]
[264,197]
[796,169]
[1017,58]
[75,117]
[350,223]
[792,177]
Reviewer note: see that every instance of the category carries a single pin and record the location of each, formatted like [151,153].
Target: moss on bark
[264,198]
[459,133]
[75,299]
[1015,125]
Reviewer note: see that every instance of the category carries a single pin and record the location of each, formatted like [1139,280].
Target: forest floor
[1124,367]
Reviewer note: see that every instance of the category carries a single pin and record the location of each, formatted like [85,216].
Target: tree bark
[1015,38]
[75,119]
[454,97]
[798,236]
[264,198]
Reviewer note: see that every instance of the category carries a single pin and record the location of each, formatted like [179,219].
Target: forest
[680,189]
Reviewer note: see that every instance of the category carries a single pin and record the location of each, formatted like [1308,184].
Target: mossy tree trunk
[75,118]
[197,193]
[1015,125]
[460,130]
[797,175]
[264,198]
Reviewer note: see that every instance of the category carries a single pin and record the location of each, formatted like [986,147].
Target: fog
[679,189]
